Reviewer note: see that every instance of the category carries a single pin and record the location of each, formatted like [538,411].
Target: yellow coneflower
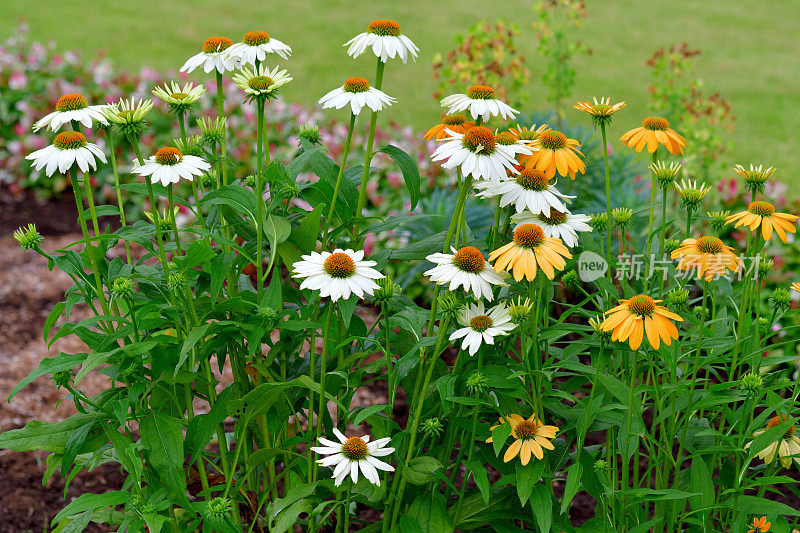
[654,131]
[796,286]
[760,525]
[531,437]
[636,317]
[457,123]
[554,151]
[762,214]
[786,448]
[529,248]
[708,255]
[600,110]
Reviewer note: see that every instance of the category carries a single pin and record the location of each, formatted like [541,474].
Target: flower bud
[751,382]
[310,133]
[28,238]
[599,220]
[520,310]
[671,245]
[663,174]
[718,220]
[621,217]
[476,383]
[122,288]
[450,304]
[677,300]
[385,291]
[432,427]
[781,299]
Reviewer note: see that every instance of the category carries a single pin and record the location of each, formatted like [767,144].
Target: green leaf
[366,412]
[162,437]
[49,365]
[430,514]
[74,446]
[527,476]
[277,229]
[481,479]
[45,436]
[194,336]
[499,436]
[419,470]
[702,484]
[90,502]
[542,505]
[238,198]
[409,170]
[52,318]
[574,473]
[305,235]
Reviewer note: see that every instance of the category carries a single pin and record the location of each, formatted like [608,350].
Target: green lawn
[748,49]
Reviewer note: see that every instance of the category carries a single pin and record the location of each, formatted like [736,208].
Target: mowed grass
[748,50]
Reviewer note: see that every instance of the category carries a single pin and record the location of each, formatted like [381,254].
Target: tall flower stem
[626,453]
[368,151]
[195,190]
[113,157]
[156,220]
[389,370]
[337,186]
[608,199]
[176,233]
[224,143]
[471,443]
[260,198]
[663,222]
[649,245]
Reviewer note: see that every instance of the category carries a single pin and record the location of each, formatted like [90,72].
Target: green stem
[156,220]
[362,191]
[629,422]
[120,203]
[650,223]
[195,189]
[329,218]
[471,444]
[608,199]
[260,199]
[176,233]
[224,143]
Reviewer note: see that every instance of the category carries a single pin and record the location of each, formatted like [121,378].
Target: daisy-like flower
[337,275]
[755,179]
[68,148]
[261,82]
[554,151]
[708,255]
[762,214]
[558,224]
[638,316]
[525,133]
[128,116]
[796,286]
[350,455]
[465,267]
[481,326]
[72,107]
[760,525]
[784,448]
[654,131]
[601,111]
[529,190]
[530,248]
[531,437]
[169,165]
[386,40]
[455,123]
[213,57]
[255,46]
[478,154]
[481,100]
[179,99]
[357,93]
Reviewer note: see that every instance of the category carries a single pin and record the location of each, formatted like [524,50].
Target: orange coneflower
[457,123]
[760,525]
[760,213]
[708,255]
[639,316]
[796,286]
[531,437]
[529,248]
[600,110]
[554,151]
[654,131]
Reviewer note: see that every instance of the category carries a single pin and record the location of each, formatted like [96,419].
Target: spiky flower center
[642,305]
[552,140]
[601,109]
[385,28]
[709,245]
[469,259]
[71,102]
[480,323]
[179,96]
[260,83]
[481,92]
[168,156]
[778,420]
[527,135]
[355,449]
[505,138]
[479,140]
[655,123]
[216,44]
[69,140]
[255,38]
[759,207]
[556,218]
[453,120]
[529,236]
[526,429]
[533,180]
[356,85]
[339,265]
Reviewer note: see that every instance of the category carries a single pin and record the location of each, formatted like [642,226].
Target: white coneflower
[465,267]
[559,224]
[357,93]
[72,107]
[212,57]
[481,101]
[529,190]
[785,448]
[261,81]
[350,455]
[481,327]
[255,46]
[386,41]
[68,148]
[169,165]
[127,111]
[179,99]
[337,275]
[478,154]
